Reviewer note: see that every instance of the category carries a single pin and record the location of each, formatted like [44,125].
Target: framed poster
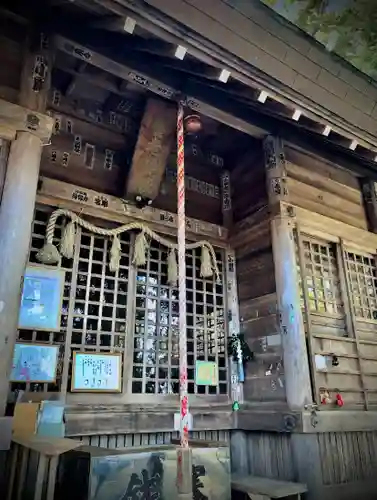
[34,363]
[206,373]
[41,301]
[96,372]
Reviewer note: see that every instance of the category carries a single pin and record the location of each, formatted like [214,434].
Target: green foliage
[349,30]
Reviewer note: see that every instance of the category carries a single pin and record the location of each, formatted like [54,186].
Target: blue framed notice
[42,297]
[34,363]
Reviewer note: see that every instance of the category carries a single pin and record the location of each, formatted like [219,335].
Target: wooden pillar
[295,356]
[233,322]
[154,143]
[370,200]
[18,201]
[4,150]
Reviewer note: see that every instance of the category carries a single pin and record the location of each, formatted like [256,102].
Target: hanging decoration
[240,352]
[339,401]
[235,406]
[325,396]
[51,255]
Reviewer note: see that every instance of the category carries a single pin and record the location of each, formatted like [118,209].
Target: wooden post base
[184,473]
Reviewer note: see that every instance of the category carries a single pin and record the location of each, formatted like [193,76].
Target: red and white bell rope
[184,407]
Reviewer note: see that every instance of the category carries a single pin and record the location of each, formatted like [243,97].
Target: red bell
[339,400]
[193,124]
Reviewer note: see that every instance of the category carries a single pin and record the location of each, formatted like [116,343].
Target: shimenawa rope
[50,254]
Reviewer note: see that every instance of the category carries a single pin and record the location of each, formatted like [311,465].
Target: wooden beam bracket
[15,118]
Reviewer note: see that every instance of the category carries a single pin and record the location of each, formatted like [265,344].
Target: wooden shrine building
[280,182]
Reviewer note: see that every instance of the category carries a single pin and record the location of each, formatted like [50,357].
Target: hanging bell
[193,124]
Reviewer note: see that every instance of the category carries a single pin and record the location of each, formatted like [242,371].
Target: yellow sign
[206,373]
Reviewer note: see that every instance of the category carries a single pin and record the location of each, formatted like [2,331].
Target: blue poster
[41,300]
[34,363]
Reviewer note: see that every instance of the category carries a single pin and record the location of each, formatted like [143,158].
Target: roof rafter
[211,102]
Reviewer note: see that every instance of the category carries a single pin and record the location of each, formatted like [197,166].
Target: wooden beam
[156,136]
[92,419]
[369,189]
[15,118]
[79,74]
[115,23]
[165,27]
[216,104]
[91,203]
[101,81]
[156,86]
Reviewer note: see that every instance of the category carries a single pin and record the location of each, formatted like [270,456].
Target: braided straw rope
[124,228]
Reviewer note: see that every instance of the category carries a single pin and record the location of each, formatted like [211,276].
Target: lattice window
[322,277]
[94,314]
[55,338]
[361,270]
[156,334]
[100,305]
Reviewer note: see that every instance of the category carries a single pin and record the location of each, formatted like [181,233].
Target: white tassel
[140,252]
[206,270]
[67,243]
[172,268]
[115,254]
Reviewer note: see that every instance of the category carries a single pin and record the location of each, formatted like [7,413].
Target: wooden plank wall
[251,241]
[203,200]
[262,454]
[83,127]
[12,37]
[335,465]
[324,189]
[328,190]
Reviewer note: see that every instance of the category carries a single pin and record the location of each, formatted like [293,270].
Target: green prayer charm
[235,406]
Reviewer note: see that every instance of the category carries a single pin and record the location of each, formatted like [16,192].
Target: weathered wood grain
[16,118]
[155,140]
[107,207]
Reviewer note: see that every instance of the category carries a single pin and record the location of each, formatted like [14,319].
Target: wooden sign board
[34,363]
[41,300]
[206,373]
[96,372]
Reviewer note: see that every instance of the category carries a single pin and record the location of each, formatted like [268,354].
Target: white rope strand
[115,232]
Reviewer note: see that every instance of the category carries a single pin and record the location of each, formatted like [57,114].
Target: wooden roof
[118,52]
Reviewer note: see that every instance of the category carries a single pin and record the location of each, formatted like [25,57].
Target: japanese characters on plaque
[65,159]
[96,371]
[109,159]
[225,186]
[101,201]
[77,143]
[196,185]
[95,199]
[79,195]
